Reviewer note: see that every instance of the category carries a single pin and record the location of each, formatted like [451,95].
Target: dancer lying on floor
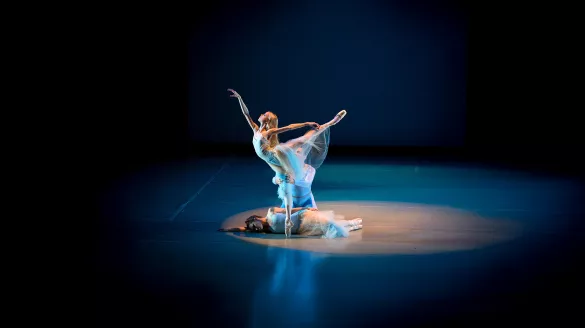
[293,160]
[306,221]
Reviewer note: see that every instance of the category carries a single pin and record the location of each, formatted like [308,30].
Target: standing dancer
[290,160]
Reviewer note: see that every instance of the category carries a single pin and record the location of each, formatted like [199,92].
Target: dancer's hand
[234,93]
[289,179]
[276,181]
[313,125]
[242,229]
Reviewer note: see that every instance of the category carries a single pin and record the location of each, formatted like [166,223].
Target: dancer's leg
[285,193]
[355,224]
[288,224]
[287,154]
[351,225]
[335,120]
[289,160]
[300,141]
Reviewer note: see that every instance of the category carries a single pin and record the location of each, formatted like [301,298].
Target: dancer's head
[270,121]
[256,223]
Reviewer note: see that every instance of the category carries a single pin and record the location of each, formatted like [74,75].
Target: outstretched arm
[241,229]
[294,210]
[291,127]
[245,110]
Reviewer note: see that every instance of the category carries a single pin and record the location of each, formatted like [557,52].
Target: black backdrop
[510,96]
[519,93]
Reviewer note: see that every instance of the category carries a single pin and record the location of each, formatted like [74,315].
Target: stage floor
[442,244]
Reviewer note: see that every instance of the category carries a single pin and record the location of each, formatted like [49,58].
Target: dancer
[302,195]
[306,221]
[292,160]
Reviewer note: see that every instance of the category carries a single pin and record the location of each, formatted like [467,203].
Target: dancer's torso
[264,151]
[305,222]
[277,220]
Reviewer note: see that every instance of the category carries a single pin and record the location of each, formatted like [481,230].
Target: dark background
[419,78]
[399,69]
[440,80]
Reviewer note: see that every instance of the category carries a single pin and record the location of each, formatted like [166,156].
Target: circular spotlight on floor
[392,228]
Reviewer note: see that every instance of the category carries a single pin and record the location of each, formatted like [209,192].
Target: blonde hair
[272,123]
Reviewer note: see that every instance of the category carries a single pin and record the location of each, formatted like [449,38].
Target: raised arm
[245,110]
[291,127]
